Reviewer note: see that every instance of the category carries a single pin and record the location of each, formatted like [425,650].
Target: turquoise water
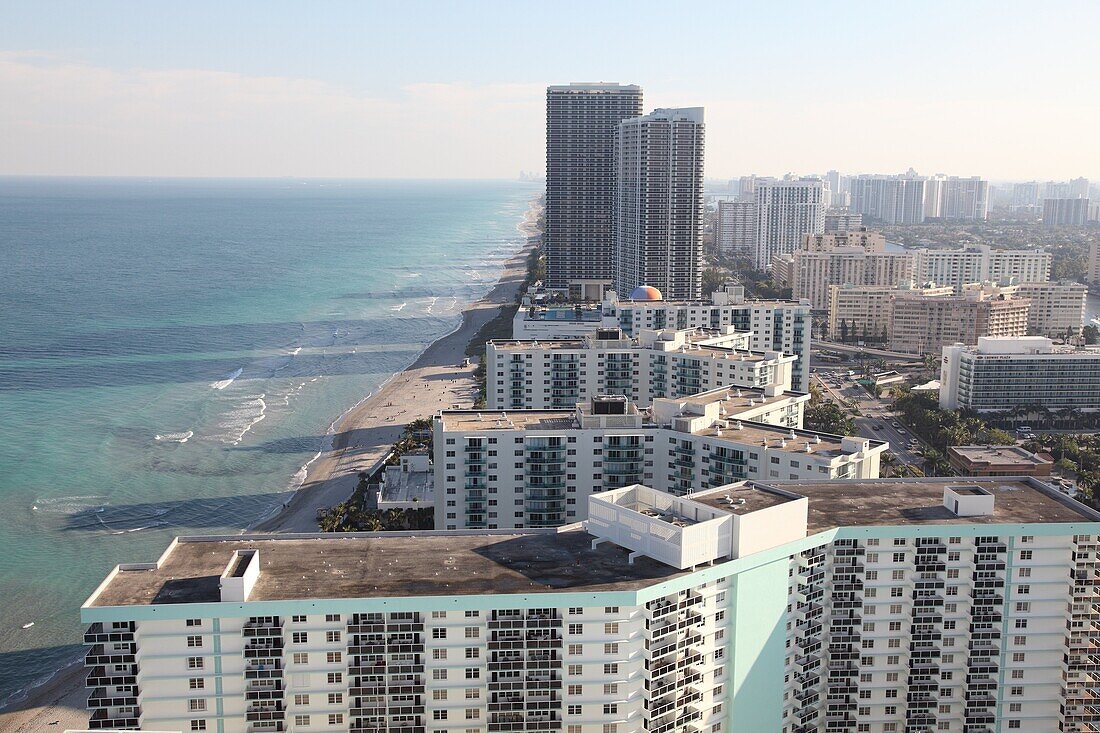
[174,351]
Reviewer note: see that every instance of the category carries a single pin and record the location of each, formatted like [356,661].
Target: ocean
[174,351]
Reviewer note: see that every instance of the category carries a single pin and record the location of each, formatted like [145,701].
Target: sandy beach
[362,437]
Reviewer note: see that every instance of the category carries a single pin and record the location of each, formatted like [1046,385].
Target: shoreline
[357,439]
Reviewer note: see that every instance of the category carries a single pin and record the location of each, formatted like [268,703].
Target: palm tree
[935,462]
[889,464]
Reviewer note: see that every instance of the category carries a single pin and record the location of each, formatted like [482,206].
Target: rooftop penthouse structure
[779,325]
[536,468]
[559,373]
[919,604]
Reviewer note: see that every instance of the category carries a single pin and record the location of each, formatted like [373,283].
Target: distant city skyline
[431,91]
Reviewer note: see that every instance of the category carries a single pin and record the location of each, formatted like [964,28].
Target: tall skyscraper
[1068,212]
[964,199]
[786,211]
[581,123]
[659,203]
[1025,194]
[892,200]
[735,228]
[1079,188]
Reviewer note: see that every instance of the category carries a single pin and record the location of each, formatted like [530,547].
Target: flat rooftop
[879,502]
[396,564]
[709,351]
[733,400]
[466,420]
[998,455]
[742,499]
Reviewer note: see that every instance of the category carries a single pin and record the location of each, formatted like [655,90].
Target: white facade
[1057,309]
[980,263]
[811,272]
[891,200]
[529,468]
[772,325]
[1067,212]
[659,203]
[1006,373]
[785,607]
[786,211]
[535,375]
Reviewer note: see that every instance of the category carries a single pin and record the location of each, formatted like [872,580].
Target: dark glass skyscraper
[581,123]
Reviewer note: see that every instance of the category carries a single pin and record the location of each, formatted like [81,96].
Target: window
[196,704]
[612,628]
[473,673]
[439,614]
[610,648]
[472,693]
[439,694]
[439,653]
[194,641]
[610,708]
[332,617]
[198,725]
[472,632]
[439,632]
[298,619]
[335,698]
[574,669]
[611,669]
[332,636]
[472,652]
[301,699]
[299,637]
[196,683]
[439,674]
[472,713]
[576,629]
[611,609]
[439,714]
[335,718]
[301,720]
[195,663]
[335,678]
[574,710]
[195,622]
[575,650]
[300,658]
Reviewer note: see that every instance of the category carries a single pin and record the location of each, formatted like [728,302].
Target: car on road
[876,426]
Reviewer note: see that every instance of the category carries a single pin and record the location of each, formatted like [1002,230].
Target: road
[875,411]
[868,350]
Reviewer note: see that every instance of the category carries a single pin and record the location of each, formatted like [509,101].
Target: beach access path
[364,436]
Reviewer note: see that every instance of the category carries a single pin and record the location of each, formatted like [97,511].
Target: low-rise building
[1000,374]
[760,606]
[997,460]
[980,263]
[1056,309]
[407,484]
[669,363]
[535,468]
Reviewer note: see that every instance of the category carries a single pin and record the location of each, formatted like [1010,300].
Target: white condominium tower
[669,363]
[891,200]
[786,211]
[773,325]
[536,468]
[735,228]
[581,124]
[659,203]
[806,607]
[964,199]
[980,263]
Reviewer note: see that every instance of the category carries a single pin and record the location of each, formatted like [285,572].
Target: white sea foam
[411,274]
[296,351]
[175,437]
[399,307]
[223,383]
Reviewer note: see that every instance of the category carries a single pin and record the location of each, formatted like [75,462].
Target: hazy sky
[456,89]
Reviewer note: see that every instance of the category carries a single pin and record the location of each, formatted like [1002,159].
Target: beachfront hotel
[883,606]
[1001,374]
[536,468]
[560,373]
[582,121]
[772,325]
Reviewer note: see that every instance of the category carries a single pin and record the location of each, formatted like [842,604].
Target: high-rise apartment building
[837,222]
[787,607]
[980,263]
[1079,188]
[772,325]
[852,258]
[786,211]
[557,374]
[999,374]
[1057,309]
[1093,272]
[964,199]
[1068,212]
[581,124]
[659,203]
[735,228]
[923,324]
[1025,194]
[537,468]
[891,200]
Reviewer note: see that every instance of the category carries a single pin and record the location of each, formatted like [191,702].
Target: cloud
[61,117]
